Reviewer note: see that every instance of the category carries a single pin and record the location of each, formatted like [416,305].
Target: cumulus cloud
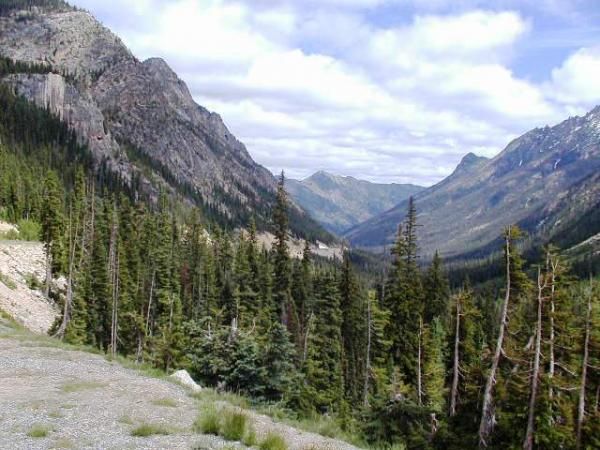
[576,82]
[336,85]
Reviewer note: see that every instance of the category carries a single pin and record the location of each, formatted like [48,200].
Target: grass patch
[167,402]
[249,439]
[208,421]
[76,386]
[273,441]
[234,425]
[55,414]
[39,430]
[32,282]
[149,429]
[7,282]
[210,395]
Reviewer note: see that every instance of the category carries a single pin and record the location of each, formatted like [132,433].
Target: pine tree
[281,262]
[353,332]
[323,366]
[436,291]
[52,226]
[404,300]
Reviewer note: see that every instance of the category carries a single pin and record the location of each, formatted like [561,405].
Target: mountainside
[340,203]
[546,180]
[137,117]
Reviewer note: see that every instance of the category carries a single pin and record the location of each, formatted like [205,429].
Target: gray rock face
[547,174]
[73,107]
[113,100]
[340,203]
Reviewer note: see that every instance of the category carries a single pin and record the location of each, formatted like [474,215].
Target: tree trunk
[455,368]
[60,333]
[419,377]
[584,364]
[551,366]
[48,272]
[487,416]
[528,442]
[368,355]
[149,304]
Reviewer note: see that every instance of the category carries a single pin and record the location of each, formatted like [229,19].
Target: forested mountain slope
[136,116]
[339,203]
[544,180]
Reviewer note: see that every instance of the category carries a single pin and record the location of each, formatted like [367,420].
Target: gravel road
[85,401]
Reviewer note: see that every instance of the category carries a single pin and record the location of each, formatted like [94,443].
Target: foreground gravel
[86,401]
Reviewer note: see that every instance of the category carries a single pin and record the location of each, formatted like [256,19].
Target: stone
[183,377]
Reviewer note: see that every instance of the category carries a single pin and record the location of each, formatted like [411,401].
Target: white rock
[184,378]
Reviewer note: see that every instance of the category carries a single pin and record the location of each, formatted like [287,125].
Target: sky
[382,90]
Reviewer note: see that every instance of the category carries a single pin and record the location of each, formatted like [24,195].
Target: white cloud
[311,85]
[577,81]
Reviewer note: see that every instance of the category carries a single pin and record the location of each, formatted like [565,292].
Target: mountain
[138,118]
[547,181]
[340,203]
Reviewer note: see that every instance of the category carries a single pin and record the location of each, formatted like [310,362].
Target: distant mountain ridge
[545,180]
[340,202]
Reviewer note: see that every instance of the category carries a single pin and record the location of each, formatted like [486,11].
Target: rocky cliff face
[117,103]
[340,203]
[540,180]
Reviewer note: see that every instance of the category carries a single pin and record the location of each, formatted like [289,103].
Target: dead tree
[455,367]
[584,365]
[487,416]
[113,268]
[419,369]
[528,442]
[368,355]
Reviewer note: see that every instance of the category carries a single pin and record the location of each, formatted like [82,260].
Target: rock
[183,377]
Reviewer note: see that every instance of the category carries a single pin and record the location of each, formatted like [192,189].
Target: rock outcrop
[138,117]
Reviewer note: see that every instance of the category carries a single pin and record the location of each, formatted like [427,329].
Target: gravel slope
[89,402]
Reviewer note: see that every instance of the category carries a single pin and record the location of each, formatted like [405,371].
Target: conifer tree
[323,366]
[281,262]
[52,225]
[404,300]
[353,331]
[436,291]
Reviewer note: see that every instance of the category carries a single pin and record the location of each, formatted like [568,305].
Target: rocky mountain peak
[136,113]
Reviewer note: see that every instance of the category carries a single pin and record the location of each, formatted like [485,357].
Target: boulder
[183,377]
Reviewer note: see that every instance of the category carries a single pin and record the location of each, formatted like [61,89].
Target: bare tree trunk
[149,303]
[528,442]
[60,333]
[584,364]
[455,368]
[551,367]
[419,377]
[487,416]
[48,272]
[113,258]
[368,355]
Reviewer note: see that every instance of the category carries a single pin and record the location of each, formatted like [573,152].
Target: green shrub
[29,230]
[33,282]
[149,429]
[234,425]
[10,235]
[273,442]
[39,431]
[208,421]
[250,439]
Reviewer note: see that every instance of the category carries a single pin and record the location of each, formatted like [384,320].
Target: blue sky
[384,90]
